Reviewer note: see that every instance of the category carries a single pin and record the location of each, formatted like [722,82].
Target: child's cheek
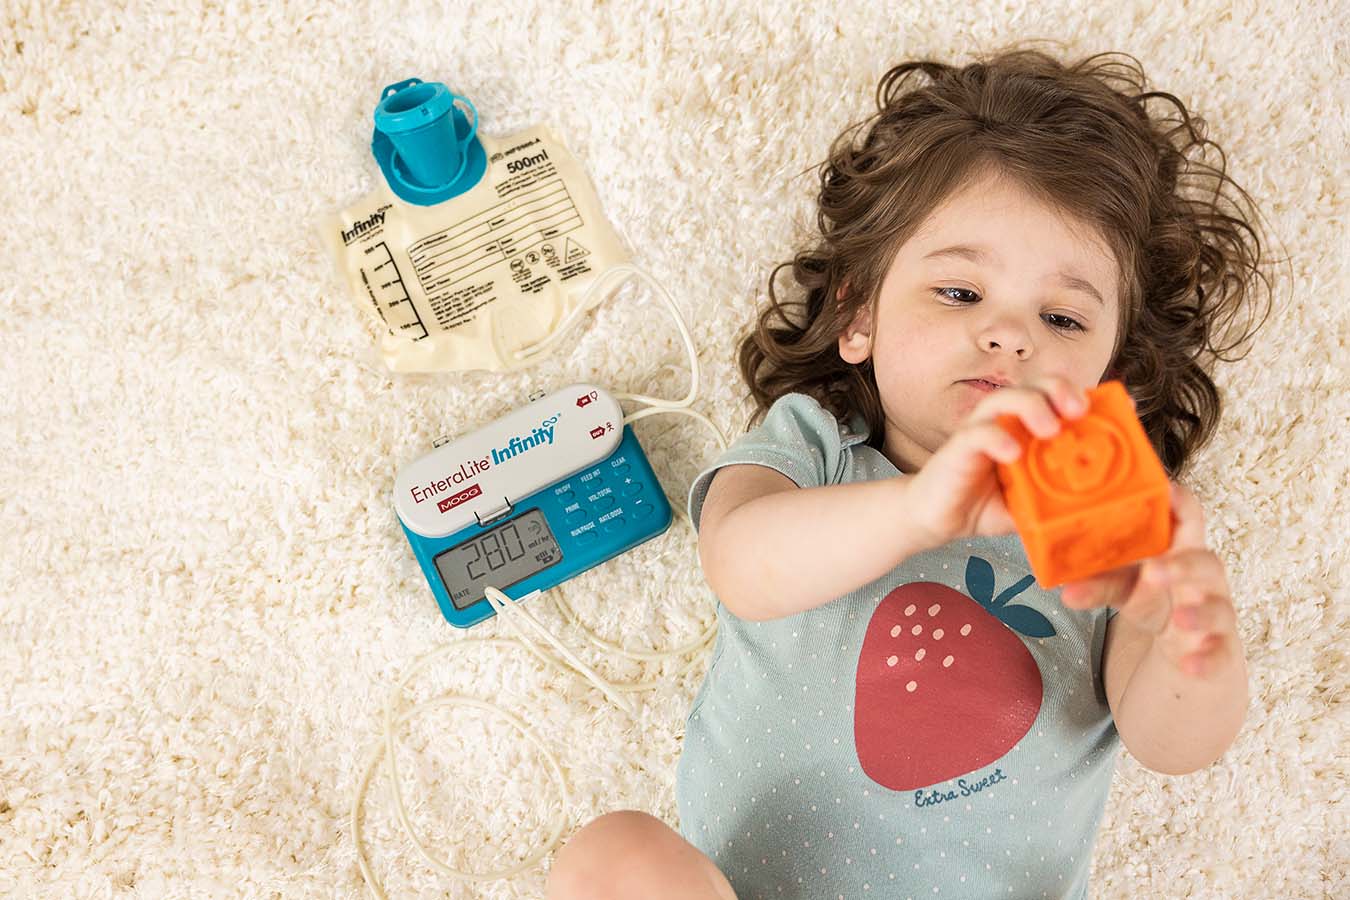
[916,341]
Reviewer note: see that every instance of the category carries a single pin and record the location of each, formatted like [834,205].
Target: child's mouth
[981,385]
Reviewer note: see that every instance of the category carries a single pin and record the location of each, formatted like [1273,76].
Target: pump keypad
[602,499]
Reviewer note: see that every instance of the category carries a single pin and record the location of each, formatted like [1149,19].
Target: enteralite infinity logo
[540,435]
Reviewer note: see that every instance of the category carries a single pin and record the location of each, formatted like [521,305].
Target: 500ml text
[519,165]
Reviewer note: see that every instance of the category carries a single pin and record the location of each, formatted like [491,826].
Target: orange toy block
[1093,497]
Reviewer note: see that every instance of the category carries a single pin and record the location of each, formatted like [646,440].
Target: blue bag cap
[424,143]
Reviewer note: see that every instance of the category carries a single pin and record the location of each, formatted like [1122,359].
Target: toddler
[894,707]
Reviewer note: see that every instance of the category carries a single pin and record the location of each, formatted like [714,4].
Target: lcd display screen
[501,557]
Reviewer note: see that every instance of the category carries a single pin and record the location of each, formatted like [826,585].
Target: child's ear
[855,344]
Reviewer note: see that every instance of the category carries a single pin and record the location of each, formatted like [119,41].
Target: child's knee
[626,854]
[586,865]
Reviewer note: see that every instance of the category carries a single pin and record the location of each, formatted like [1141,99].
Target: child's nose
[1007,337]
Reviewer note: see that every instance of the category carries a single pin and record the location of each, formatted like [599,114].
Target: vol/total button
[605,502]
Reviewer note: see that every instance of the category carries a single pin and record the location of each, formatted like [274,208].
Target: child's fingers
[1202,626]
[1068,399]
[1209,614]
[1213,651]
[986,439]
[955,491]
[1199,567]
[1038,406]
[1188,519]
[1109,588]
[1030,406]
[1212,657]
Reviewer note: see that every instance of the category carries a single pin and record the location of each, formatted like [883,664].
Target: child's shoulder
[797,412]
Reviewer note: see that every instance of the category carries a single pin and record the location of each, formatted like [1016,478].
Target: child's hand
[957,492]
[1181,596]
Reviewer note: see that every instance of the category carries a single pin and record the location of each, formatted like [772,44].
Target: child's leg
[626,855]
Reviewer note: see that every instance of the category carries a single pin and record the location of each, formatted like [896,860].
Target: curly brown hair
[1077,142]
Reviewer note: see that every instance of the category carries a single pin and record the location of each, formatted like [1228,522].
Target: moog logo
[463,496]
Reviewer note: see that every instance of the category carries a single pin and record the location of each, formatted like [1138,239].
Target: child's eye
[1061,323]
[1065,323]
[942,292]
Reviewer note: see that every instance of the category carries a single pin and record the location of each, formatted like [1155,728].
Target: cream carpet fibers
[205,595]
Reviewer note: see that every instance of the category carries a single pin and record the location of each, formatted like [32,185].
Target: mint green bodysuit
[941,732]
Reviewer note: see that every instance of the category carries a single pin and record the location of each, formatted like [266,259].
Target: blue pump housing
[594,515]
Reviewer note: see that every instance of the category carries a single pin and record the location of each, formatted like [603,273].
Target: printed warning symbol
[573,251]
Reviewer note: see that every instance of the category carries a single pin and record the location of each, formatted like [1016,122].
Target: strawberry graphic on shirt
[944,685]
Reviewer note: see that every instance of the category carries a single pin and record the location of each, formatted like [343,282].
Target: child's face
[1004,316]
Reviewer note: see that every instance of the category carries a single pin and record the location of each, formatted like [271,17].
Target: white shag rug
[204,595]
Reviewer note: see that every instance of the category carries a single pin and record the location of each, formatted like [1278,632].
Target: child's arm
[770,549]
[1174,722]
[1174,667]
